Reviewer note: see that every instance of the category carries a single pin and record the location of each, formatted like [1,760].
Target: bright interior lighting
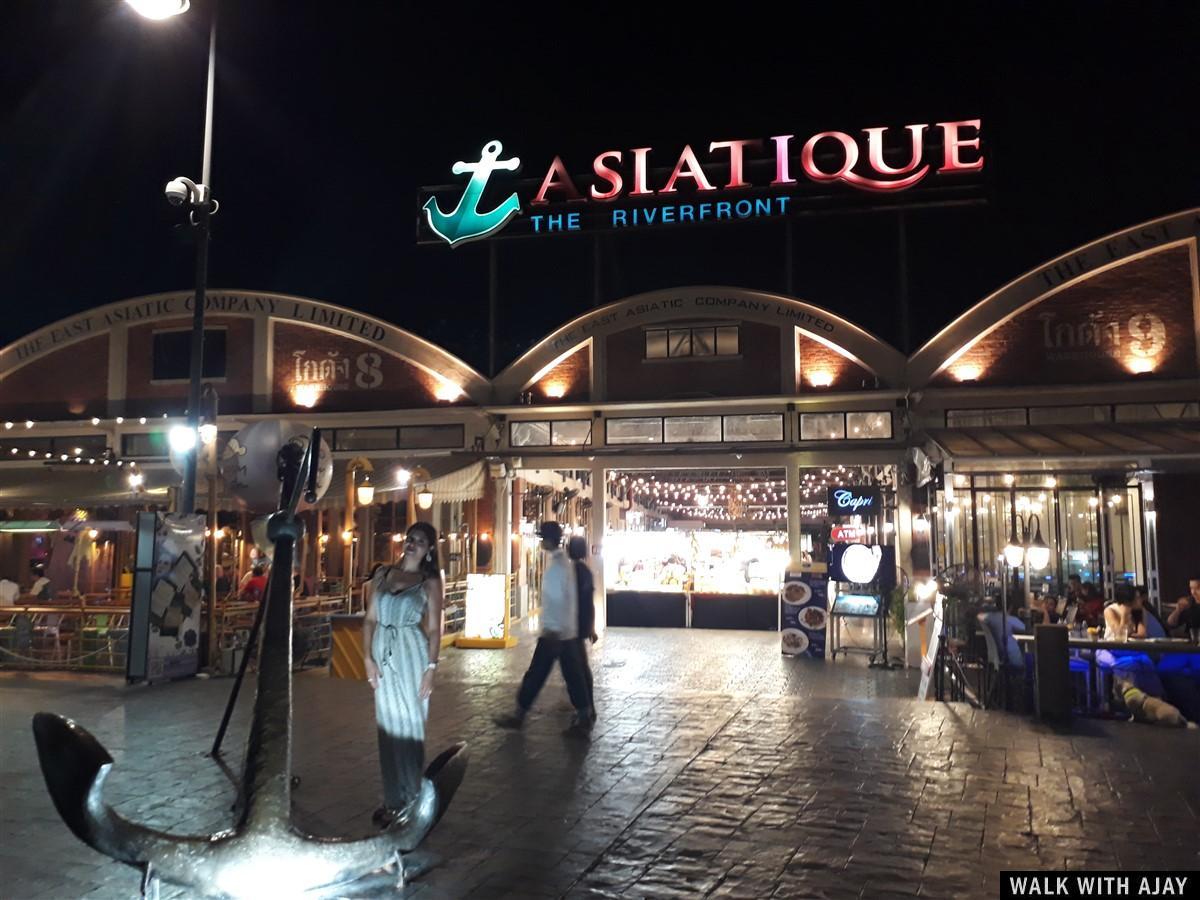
[403,477]
[1014,554]
[306,395]
[920,524]
[93,533]
[1140,366]
[95,420]
[425,499]
[1009,479]
[925,589]
[159,9]
[182,438]
[208,434]
[347,535]
[820,379]
[966,373]
[555,390]
[136,479]
[397,538]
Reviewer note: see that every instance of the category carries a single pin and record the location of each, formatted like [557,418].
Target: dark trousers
[587,672]
[569,660]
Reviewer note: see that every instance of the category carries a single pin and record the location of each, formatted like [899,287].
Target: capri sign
[708,182]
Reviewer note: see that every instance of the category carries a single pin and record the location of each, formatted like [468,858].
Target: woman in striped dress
[402,636]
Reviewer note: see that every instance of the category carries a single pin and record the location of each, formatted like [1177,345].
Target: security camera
[177,192]
[181,190]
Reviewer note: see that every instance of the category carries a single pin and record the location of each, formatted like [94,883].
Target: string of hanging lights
[728,495]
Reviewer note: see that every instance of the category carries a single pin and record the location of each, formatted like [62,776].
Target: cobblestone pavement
[718,768]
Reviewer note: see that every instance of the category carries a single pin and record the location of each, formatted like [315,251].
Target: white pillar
[597,524]
[794,530]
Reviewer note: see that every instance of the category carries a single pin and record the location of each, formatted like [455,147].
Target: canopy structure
[61,486]
[1155,440]
[28,526]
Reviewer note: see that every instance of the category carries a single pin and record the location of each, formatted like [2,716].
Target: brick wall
[754,372]
[352,375]
[67,384]
[144,397]
[569,380]
[823,368]
[1132,321]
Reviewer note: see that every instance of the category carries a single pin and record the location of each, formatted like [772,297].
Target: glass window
[1080,530]
[977,418]
[431,437]
[634,431]
[1124,531]
[656,345]
[754,428]
[956,546]
[364,439]
[727,341]
[1146,412]
[993,514]
[704,342]
[1068,415]
[172,354]
[529,434]
[571,433]
[153,443]
[822,426]
[691,429]
[680,342]
[868,425]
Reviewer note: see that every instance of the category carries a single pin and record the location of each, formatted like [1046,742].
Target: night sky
[329,116]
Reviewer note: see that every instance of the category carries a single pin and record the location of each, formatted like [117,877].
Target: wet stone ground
[718,768]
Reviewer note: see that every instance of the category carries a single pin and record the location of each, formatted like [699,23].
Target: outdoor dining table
[1053,700]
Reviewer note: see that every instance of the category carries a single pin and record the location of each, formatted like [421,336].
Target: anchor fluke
[71,760]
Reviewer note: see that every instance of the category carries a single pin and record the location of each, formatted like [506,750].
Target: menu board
[804,611]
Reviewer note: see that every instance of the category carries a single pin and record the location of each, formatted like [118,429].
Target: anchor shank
[267,782]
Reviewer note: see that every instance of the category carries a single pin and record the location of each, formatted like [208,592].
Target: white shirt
[560,601]
[9,592]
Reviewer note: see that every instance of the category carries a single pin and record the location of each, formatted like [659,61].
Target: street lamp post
[200,206]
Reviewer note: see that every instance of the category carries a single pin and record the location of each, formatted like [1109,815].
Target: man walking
[558,640]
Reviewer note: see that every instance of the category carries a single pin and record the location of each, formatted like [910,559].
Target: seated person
[995,624]
[1180,672]
[255,586]
[1154,625]
[1185,618]
[1125,616]
[1091,605]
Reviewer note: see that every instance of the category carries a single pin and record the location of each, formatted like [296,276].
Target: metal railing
[90,638]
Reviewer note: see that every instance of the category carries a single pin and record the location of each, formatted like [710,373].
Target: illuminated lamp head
[820,379]
[555,390]
[447,391]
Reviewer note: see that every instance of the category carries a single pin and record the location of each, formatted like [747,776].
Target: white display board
[485,607]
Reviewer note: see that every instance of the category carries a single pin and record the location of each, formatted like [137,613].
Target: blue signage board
[804,610]
[855,500]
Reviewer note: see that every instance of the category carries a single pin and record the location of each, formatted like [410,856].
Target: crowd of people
[1160,687]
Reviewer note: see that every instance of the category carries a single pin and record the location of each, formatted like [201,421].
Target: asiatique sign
[727,180]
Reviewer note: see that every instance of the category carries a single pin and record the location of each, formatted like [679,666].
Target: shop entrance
[708,548]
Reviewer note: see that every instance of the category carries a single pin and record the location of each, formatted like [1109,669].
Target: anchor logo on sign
[466,223]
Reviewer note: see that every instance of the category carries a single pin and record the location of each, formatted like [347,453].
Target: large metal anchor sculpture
[263,855]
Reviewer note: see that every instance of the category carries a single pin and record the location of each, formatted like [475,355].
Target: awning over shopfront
[87,487]
[452,479]
[1153,440]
